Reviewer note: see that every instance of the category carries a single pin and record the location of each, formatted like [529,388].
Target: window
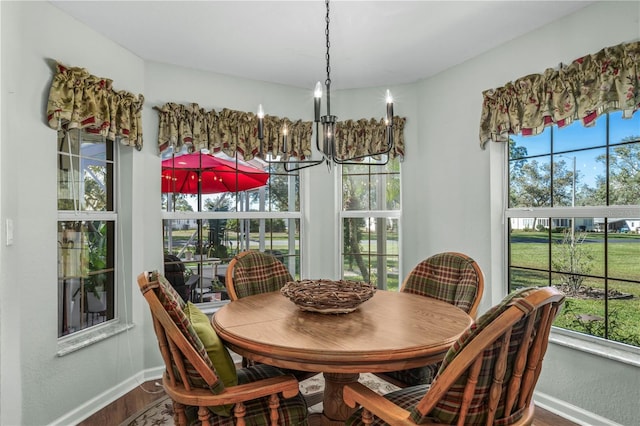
[228,209]
[574,216]
[87,221]
[370,218]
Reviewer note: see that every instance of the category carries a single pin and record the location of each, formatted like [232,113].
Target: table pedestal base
[335,411]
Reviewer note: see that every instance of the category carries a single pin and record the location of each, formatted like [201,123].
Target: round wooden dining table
[391,331]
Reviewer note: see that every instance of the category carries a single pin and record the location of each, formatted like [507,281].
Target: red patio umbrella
[181,174]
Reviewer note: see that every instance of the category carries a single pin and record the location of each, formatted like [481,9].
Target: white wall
[462,201]
[36,385]
[448,185]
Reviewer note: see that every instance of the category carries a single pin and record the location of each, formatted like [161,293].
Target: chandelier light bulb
[260,115]
[389,108]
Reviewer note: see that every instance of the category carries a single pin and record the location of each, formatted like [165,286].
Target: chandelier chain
[328,81]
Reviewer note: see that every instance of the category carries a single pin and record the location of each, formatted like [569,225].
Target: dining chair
[487,377]
[452,277]
[175,271]
[200,376]
[253,272]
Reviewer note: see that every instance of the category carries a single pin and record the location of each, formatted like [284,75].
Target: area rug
[160,412]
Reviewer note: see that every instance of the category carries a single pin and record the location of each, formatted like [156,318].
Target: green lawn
[531,250]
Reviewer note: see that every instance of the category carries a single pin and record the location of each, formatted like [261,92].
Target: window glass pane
[579,255]
[623,129]
[577,136]
[624,304]
[356,192]
[370,251]
[205,247]
[85,172]
[624,250]
[530,146]
[624,174]
[85,274]
[371,186]
[529,243]
[282,192]
[579,178]
[520,278]
[583,311]
[530,182]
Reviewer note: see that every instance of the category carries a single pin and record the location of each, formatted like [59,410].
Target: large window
[574,222]
[86,231]
[370,218]
[228,208]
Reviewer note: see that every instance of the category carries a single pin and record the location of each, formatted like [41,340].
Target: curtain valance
[78,99]
[236,131]
[590,86]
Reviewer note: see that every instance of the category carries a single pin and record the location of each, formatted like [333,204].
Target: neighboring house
[581,224]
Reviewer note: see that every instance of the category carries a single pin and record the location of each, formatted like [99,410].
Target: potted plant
[188,253]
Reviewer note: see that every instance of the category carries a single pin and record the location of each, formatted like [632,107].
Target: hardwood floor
[120,409]
[140,397]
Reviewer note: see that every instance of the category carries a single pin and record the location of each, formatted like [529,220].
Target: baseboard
[570,412]
[107,397]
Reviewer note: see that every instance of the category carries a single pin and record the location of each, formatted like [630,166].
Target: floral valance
[590,86]
[236,131]
[78,99]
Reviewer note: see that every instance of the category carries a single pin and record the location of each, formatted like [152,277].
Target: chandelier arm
[352,160]
[307,163]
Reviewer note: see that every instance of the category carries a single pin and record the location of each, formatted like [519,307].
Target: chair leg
[203,416]
[179,415]
[239,412]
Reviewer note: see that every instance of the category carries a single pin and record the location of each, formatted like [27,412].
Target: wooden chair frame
[526,368]
[175,349]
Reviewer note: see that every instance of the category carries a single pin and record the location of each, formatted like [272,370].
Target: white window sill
[81,340]
[596,346]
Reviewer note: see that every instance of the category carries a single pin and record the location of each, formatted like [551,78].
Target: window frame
[501,214]
[71,342]
[204,215]
[368,214]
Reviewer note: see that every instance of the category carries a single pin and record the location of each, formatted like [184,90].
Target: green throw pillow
[218,353]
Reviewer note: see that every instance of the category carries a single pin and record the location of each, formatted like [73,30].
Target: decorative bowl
[327,296]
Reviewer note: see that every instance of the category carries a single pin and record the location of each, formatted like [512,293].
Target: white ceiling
[373,43]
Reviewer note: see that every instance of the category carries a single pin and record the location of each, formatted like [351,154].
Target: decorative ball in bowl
[327,296]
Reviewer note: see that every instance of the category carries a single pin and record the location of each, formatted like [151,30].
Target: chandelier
[326,138]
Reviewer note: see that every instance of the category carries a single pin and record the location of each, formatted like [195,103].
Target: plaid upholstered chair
[200,376]
[452,277]
[254,272]
[487,377]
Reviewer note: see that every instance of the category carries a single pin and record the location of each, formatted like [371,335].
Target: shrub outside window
[574,222]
